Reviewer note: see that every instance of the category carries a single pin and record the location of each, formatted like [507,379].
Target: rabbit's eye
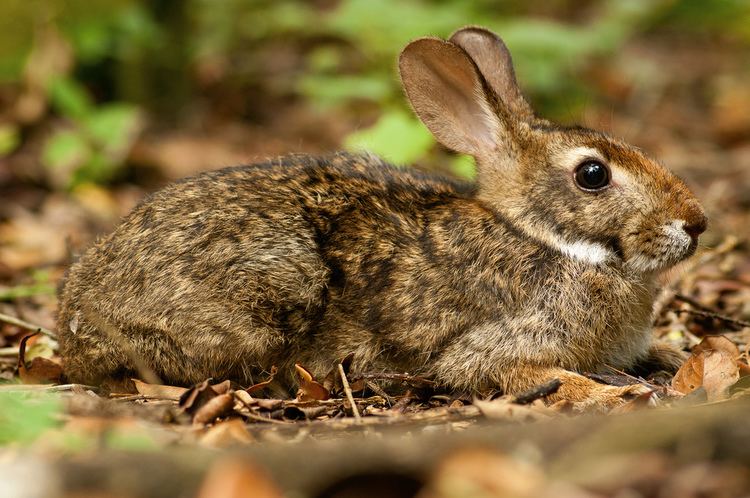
[592,175]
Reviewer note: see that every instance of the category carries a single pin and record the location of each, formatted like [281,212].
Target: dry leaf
[712,365]
[262,385]
[717,343]
[237,478]
[641,401]
[720,372]
[159,391]
[213,409]
[309,388]
[269,404]
[41,370]
[222,387]
[483,472]
[230,432]
[195,397]
[504,409]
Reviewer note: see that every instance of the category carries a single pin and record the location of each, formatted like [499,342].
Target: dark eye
[592,175]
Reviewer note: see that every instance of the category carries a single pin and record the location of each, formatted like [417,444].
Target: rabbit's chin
[667,259]
[669,245]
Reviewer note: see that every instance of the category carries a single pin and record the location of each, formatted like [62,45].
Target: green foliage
[10,139]
[396,136]
[92,147]
[25,416]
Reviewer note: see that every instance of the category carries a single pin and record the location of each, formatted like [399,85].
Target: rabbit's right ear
[450,96]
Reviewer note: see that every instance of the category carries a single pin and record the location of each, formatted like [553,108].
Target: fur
[505,283]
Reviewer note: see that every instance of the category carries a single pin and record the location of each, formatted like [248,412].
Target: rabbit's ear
[493,59]
[450,96]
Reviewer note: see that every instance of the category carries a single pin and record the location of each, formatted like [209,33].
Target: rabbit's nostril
[695,227]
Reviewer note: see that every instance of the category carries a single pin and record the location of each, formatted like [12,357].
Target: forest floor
[345,434]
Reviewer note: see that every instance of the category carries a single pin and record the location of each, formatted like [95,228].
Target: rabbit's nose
[696,226]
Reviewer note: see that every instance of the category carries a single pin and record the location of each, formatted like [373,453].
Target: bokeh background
[103,101]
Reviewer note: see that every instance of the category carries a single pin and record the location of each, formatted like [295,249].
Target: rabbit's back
[231,271]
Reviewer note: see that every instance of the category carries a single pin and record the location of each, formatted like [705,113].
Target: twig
[45,387]
[669,291]
[706,312]
[258,418]
[637,380]
[692,302]
[406,378]
[380,392]
[716,316]
[538,392]
[348,391]
[26,325]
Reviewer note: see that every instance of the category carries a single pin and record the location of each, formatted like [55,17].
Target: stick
[377,390]
[395,376]
[45,387]
[348,391]
[703,312]
[26,325]
[538,392]
[668,293]
[258,418]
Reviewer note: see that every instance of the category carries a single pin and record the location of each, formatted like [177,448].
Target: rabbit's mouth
[661,248]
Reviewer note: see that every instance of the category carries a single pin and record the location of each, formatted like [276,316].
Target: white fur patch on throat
[584,251]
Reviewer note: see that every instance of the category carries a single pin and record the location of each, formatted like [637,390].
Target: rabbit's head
[593,197]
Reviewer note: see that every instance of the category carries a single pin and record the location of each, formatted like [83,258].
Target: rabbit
[545,267]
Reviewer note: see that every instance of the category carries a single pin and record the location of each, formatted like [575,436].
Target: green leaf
[335,90]
[396,136]
[112,126]
[24,416]
[69,97]
[130,440]
[21,291]
[10,139]
[66,149]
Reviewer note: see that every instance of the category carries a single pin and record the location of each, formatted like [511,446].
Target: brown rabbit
[546,267]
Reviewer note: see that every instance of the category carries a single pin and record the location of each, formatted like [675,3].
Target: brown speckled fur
[306,259]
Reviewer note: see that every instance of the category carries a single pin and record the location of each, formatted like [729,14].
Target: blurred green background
[100,91]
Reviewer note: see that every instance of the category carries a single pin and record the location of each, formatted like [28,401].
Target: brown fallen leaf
[230,432]
[222,387]
[40,370]
[504,408]
[640,401]
[195,397]
[262,385]
[269,404]
[234,477]
[483,472]
[717,343]
[173,393]
[712,365]
[309,388]
[217,406]
[205,404]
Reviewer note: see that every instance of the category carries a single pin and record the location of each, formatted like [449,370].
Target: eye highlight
[592,175]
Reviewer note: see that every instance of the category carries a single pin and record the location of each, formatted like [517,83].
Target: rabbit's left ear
[449,95]
[493,59]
